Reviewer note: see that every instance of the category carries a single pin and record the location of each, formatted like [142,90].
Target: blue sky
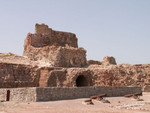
[119,28]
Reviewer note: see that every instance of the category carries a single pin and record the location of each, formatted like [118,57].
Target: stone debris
[104,101]
[133,106]
[88,102]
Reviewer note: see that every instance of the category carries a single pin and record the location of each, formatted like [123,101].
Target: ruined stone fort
[53,59]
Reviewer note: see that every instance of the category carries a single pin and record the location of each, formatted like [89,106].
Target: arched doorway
[82,81]
[8,95]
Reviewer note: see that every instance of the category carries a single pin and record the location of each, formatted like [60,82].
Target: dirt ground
[116,105]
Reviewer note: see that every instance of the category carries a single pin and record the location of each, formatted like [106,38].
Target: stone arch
[56,79]
[81,79]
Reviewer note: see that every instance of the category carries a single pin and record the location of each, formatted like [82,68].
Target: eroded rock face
[59,49]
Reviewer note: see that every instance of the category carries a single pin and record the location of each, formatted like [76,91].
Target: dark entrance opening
[81,81]
[8,95]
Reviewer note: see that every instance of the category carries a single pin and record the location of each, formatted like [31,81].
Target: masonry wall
[47,94]
[33,94]
[18,75]
[19,94]
[59,49]
[45,36]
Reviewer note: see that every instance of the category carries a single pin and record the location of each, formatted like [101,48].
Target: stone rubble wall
[122,75]
[34,94]
[47,94]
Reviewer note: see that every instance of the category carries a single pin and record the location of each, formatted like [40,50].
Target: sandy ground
[116,105]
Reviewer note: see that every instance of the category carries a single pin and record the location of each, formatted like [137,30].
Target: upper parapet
[45,36]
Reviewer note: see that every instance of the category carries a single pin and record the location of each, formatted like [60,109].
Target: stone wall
[33,94]
[52,77]
[47,94]
[19,94]
[45,36]
[18,75]
[57,48]
[122,75]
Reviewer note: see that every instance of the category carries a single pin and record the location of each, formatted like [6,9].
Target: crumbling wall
[109,60]
[132,75]
[45,36]
[102,77]
[63,77]
[58,56]
[18,75]
[60,49]
[121,75]
[52,77]
[91,62]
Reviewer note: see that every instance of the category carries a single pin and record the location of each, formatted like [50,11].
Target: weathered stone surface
[45,36]
[18,75]
[57,48]
[109,60]
[122,75]
[90,62]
